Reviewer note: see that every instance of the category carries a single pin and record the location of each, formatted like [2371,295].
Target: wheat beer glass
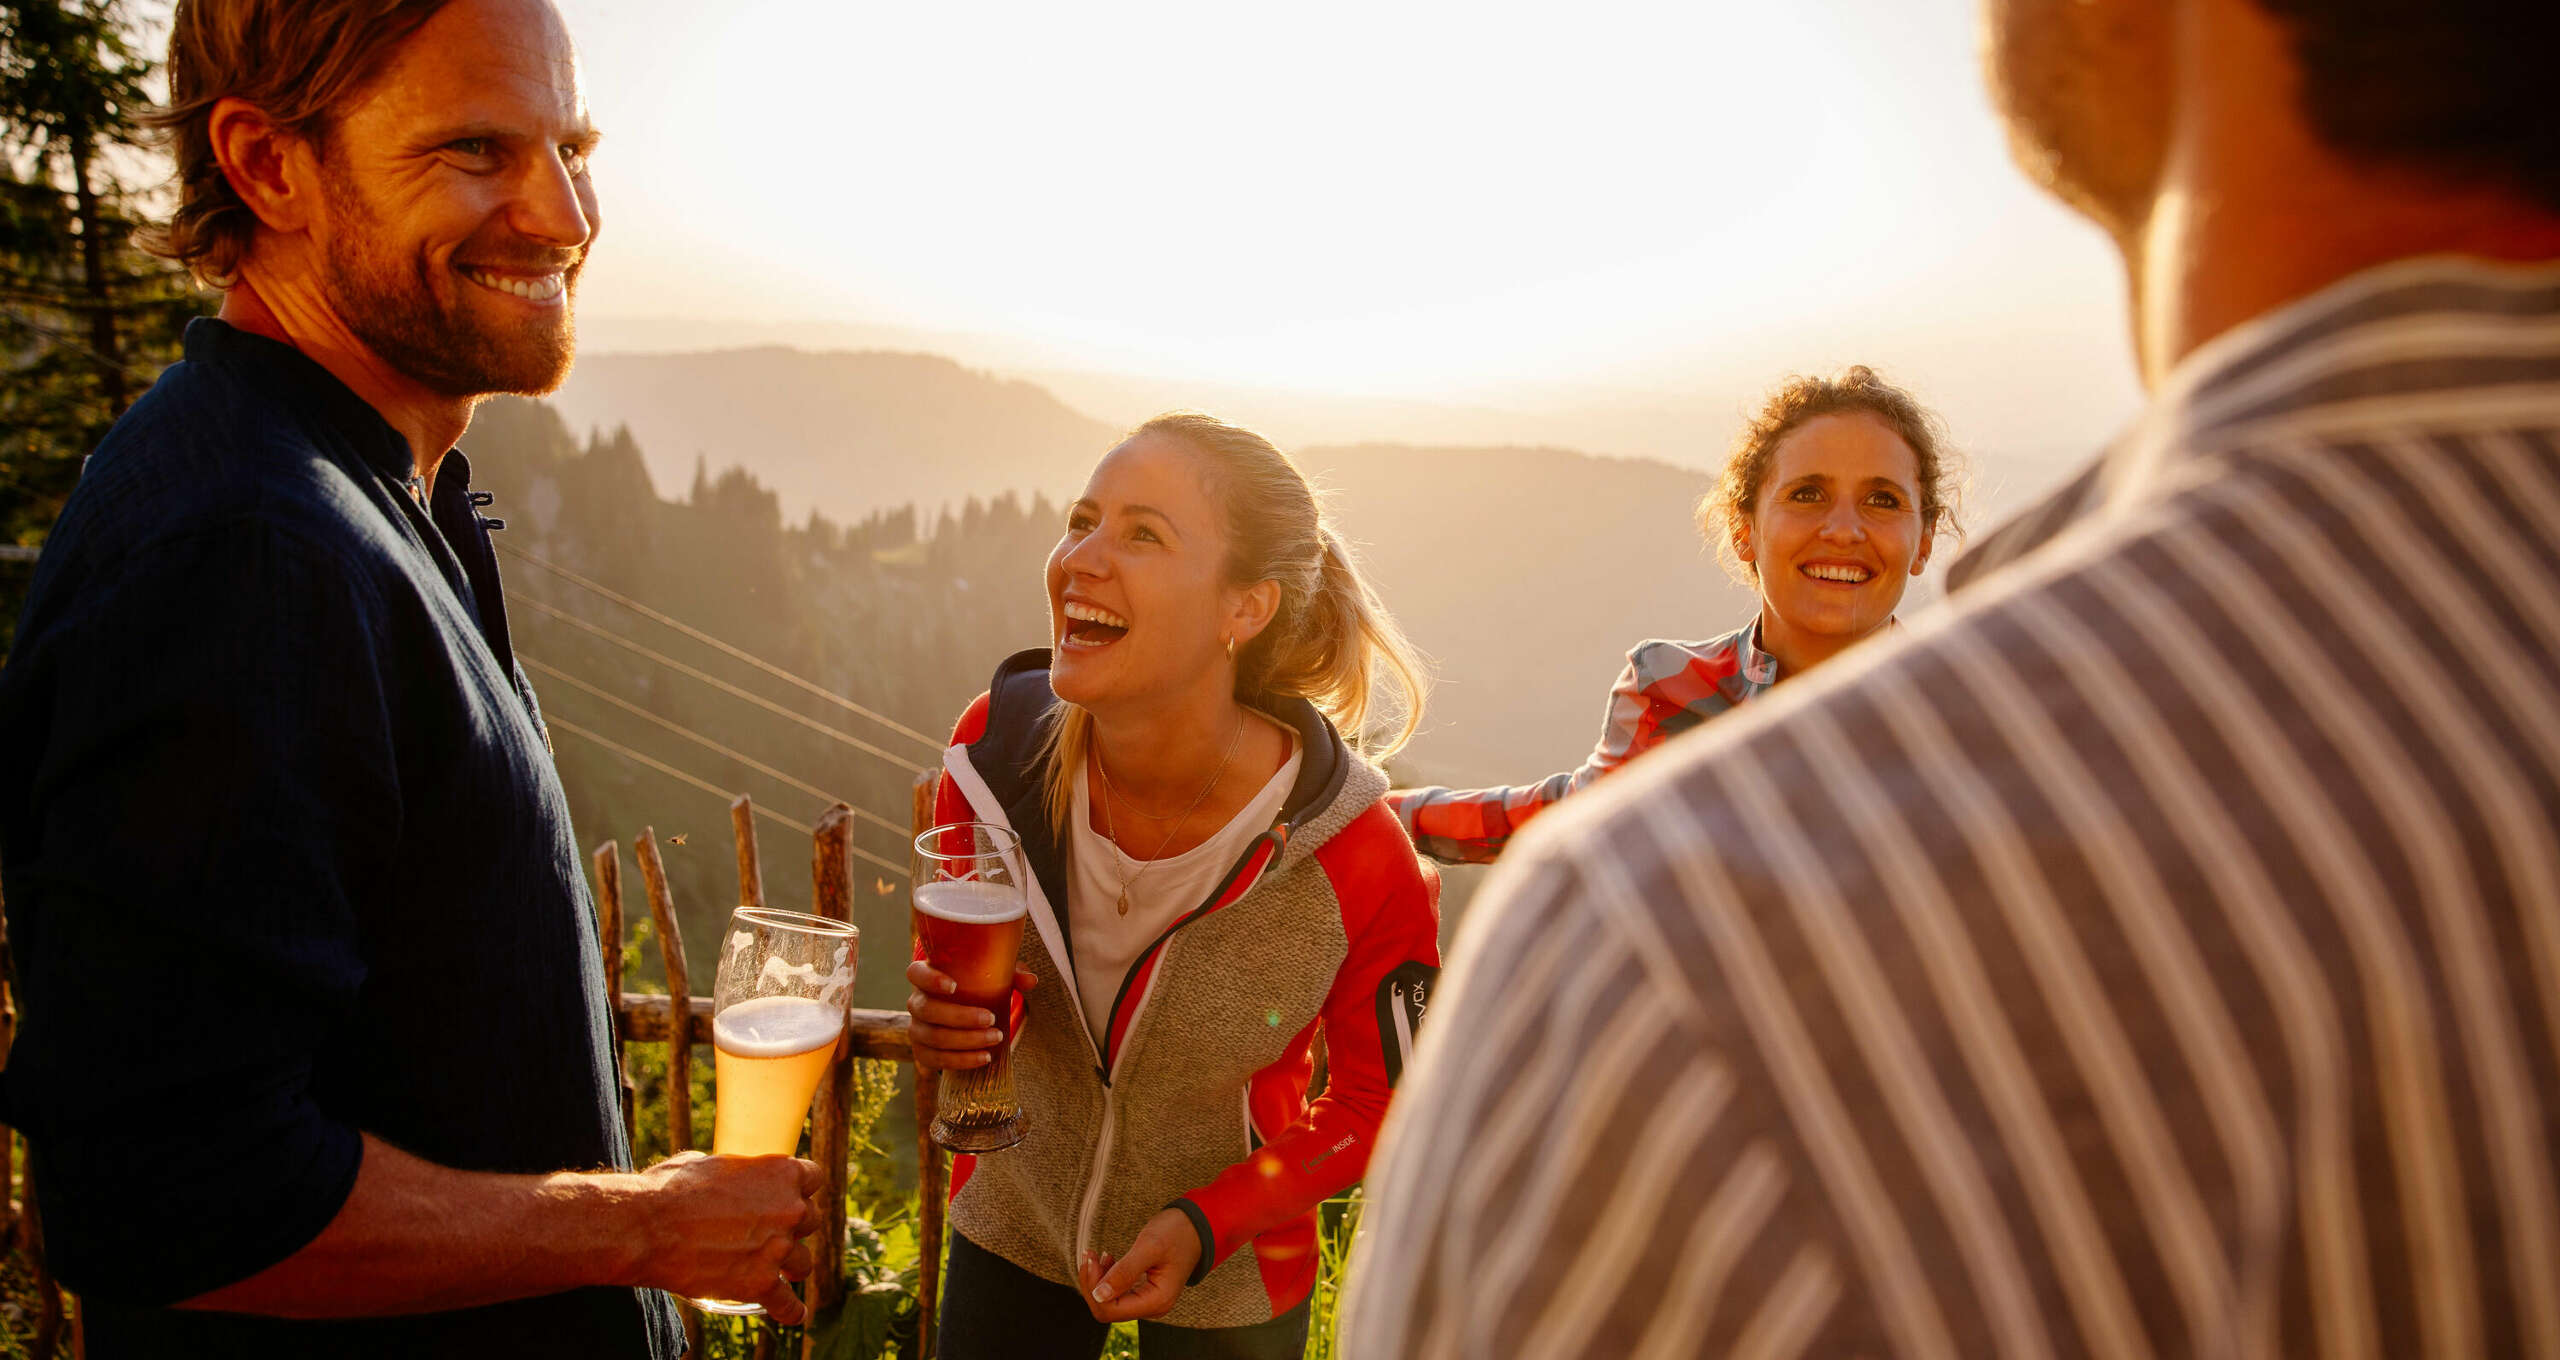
[779,1009]
[969,910]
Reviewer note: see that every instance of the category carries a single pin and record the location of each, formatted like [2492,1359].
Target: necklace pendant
[1124,901]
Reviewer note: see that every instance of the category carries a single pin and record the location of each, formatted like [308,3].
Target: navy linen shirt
[286,859]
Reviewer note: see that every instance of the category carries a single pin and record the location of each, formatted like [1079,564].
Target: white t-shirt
[1105,942]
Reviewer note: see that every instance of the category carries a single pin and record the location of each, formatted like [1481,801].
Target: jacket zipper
[1093,1178]
[1102,1144]
[1161,950]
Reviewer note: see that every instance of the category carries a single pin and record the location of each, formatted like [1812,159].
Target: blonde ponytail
[1330,642]
[1332,654]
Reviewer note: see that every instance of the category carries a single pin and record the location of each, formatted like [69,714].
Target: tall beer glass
[785,982]
[969,911]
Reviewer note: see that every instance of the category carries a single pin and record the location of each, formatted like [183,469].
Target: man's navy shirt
[286,859]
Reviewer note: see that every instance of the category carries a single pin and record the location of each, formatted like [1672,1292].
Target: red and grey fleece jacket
[1326,931]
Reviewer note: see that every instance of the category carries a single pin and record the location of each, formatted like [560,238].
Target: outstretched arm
[415,1237]
[1471,826]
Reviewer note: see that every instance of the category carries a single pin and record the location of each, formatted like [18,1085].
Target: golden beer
[769,1053]
[784,980]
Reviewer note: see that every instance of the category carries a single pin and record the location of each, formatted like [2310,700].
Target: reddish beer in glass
[969,911]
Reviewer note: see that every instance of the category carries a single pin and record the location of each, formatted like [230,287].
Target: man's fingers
[798,1262]
[782,1305]
[812,1180]
[812,1218]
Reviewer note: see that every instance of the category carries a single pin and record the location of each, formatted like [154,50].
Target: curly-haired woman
[1828,507]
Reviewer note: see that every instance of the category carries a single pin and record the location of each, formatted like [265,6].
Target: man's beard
[2083,89]
[390,303]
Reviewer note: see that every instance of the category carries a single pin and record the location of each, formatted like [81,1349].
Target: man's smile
[546,287]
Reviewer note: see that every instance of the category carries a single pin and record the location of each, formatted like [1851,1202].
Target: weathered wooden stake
[929,1174]
[662,909]
[830,1136]
[742,817]
[608,862]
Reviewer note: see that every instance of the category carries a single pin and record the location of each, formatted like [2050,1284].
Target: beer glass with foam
[969,912]
[779,1010]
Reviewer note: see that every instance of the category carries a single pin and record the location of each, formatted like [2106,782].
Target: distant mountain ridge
[847,432]
[1525,573]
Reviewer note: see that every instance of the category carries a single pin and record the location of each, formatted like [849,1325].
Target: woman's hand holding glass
[951,1035]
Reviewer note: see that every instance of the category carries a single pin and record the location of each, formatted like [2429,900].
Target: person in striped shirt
[2156,952]
[1840,485]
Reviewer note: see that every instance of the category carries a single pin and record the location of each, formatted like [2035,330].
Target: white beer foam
[776,1026]
[976,904]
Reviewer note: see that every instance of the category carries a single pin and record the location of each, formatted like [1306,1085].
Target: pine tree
[89,319]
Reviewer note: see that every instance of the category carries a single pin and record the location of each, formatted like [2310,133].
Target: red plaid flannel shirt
[1666,689]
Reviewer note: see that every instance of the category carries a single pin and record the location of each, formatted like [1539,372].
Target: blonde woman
[1215,886]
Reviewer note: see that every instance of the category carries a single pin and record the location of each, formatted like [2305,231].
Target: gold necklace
[1109,795]
[1112,791]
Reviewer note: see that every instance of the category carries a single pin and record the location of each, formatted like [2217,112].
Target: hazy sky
[1375,198]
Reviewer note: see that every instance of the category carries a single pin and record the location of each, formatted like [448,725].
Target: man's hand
[731,1228]
[1144,1283]
[948,1034]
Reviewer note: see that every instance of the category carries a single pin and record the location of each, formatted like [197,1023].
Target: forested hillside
[906,619]
[1525,572]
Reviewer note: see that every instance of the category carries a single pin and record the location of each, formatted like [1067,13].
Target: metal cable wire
[708,743]
[931,743]
[857,743]
[608,743]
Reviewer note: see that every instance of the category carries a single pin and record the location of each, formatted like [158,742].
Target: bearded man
[315,1056]
[2156,953]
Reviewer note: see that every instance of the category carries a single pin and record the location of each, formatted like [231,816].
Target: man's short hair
[296,61]
[2458,90]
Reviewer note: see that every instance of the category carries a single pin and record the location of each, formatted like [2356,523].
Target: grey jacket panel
[1229,994]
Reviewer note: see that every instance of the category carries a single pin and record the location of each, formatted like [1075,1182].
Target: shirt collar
[2357,351]
[307,387]
[1757,668]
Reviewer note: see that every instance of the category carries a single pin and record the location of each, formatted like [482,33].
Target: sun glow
[1351,197]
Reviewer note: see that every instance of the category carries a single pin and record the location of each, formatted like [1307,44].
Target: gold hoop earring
[1231,647]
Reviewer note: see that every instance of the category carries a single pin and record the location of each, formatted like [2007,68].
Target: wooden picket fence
[645,1018]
